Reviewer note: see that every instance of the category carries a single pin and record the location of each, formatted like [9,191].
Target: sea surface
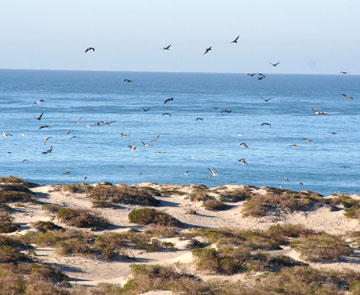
[100,153]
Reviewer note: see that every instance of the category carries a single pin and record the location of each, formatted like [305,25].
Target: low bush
[152,216]
[6,223]
[10,193]
[45,226]
[322,248]
[10,254]
[237,195]
[107,196]
[81,218]
[76,188]
[11,179]
[214,205]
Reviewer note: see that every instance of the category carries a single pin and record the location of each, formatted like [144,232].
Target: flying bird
[124,135]
[44,126]
[261,76]
[38,101]
[293,145]
[251,74]
[166,114]
[72,137]
[319,113]
[168,99]
[266,124]
[67,131]
[6,134]
[39,118]
[46,139]
[127,80]
[266,99]
[90,48]
[156,138]
[213,172]
[145,144]
[199,119]
[226,111]
[186,172]
[235,40]
[78,121]
[66,173]
[146,110]
[207,50]
[309,140]
[243,160]
[244,144]
[344,73]
[49,150]
[132,148]
[107,123]
[167,47]
[275,64]
[286,179]
[347,96]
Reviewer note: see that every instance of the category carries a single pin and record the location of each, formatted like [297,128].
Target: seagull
[267,124]
[46,139]
[38,101]
[72,137]
[107,123]
[6,134]
[156,138]
[25,160]
[344,73]
[142,172]
[124,135]
[266,99]
[66,173]
[226,111]
[48,151]
[286,178]
[168,99]
[160,153]
[44,126]
[22,134]
[168,114]
[146,110]
[213,173]
[332,132]
[244,144]
[347,96]
[309,140]
[240,134]
[244,161]
[300,183]
[319,113]
[167,47]
[199,119]
[251,74]
[87,124]
[275,64]
[261,76]
[67,131]
[186,172]
[207,50]
[78,121]
[132,148]
[39,118]
[235,40]
[293,145]
[145,144]
[127,80]
[90,48]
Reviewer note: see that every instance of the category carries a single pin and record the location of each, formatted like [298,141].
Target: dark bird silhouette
[146,110]
[167,47]
[107,123]
[300,183]
[166,114]
[39,118]
[90,48]
[344,73]
[145,144]
[251,74]
[199,119]
[132,148]
[124,135]
[44,126]
[266,99]
[49,150]
[66,173]
[25,160]
[226,111]
[78,121]
[6,134]
[293,145]
[38,101]
[127,80]
[168,100]
[46,139]
[261,76]
[347,96]
[266,124]
[244,144]
[275,64]
[235,40]
[186,172]
[318,112]
[309,140]
[72,137]
[207,50]
[243,160]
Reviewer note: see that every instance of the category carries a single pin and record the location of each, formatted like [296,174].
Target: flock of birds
[213,172]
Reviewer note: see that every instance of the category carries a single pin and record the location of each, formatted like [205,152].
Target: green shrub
[214,205]
[45,226]
[18,192]
[9,254]
[237,195]
[6,223]
[152,216]
[76,188]
[81,218]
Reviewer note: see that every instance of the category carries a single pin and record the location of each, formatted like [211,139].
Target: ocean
[100,153]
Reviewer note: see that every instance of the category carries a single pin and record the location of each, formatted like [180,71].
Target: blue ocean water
[100,153]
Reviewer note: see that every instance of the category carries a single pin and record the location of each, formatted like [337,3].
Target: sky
[314,37]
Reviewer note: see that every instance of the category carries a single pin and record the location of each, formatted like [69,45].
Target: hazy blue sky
[307,36]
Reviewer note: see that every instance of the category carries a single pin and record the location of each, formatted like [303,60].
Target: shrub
[106,196]
[10,193]
[152,216]
[81,218]
[6,223]
[237,195]
[324,247]
[9,254]
[11,179]
[45,226]
[76,188]
[289,230]
[214,205]
[200,195]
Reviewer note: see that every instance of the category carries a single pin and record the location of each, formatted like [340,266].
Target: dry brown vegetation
[152,216]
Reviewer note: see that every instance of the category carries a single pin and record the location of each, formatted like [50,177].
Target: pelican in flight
[167,47]
[168,100]
[347,96]
[38,101]
[266,124]
[274,64]
[235,40]
[146,110]
[39,118]
[309,140]
[90,48]
[6,134]
[243,160]
[318,112]
[207,50]
[132,148]
[244,144]
[166,114]
[46,139]
[213,172]
[48,151]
